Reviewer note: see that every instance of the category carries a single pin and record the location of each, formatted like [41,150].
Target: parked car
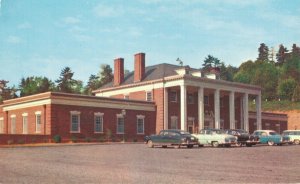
[271,137]
[215,138]
[243,137]
[294,135]
[175,138]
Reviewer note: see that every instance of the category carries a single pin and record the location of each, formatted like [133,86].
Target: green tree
[245,72]
[295,50]
[34,85]
[105,74]
[296,94]
[227,72]
[6,93]
[286,88]
[93,84]
[291,68]
[266,75]
[263,52]
[66,83]
[281,55]
[211,61]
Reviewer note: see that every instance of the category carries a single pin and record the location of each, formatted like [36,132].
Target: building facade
[140,103]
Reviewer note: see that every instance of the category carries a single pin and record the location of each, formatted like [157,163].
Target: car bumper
[286,142]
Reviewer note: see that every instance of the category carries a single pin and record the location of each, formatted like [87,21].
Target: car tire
[297,141]
[150,144]
[249,145]
[190,146]
[164,146]
[200,145]
[238,144]
[271,143]
[177,146]
[215,144]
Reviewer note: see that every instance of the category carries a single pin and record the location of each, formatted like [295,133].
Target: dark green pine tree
[281,55]
[263,52]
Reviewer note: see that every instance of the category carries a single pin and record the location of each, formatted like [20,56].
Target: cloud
[102,10]
[14,40]
[71,20]
[25,25]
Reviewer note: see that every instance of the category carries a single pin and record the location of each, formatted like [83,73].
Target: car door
[202,137]
[263,137]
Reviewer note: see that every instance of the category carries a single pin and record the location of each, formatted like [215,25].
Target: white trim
[98,114]
[25,124]
[149,100]
[13,116]
[38,113]
[1,118]
[120,115]
[36,122]
[26,105]
[140,116]
[75,112]
[25,114]
[1,125]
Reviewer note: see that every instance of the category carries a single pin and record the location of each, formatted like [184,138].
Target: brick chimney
[139,67]
[118,71]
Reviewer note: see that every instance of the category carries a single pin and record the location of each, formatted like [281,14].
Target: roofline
[175,77]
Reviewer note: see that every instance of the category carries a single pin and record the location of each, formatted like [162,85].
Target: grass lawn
[276,106]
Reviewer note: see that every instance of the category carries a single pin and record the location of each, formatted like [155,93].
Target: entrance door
[191,125]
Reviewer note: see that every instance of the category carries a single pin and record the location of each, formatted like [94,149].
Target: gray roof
[151,73]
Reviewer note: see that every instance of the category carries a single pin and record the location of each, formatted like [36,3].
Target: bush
[74,139]
[101,139]
[134,140]
[108,134]
[57,139]
[21,141]
[10,141]
[286,88]
[88,139]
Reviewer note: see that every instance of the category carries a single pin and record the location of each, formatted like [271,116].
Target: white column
[246,112]
[231,110]
[258,111]
[217,108]
[183,107]
[200,108]
[166,108]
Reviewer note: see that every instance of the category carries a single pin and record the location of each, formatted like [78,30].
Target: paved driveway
[135,163]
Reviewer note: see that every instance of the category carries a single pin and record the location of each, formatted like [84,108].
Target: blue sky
[40,37]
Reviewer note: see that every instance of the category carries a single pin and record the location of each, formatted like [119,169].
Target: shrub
[108,134]
[74,138]
[134,140]
[57,139]
[101,139]
[21,141]
[10,141]
[88,139]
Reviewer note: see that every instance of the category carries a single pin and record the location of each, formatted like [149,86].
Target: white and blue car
[271,137]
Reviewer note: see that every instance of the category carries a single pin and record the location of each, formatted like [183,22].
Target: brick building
[143,102]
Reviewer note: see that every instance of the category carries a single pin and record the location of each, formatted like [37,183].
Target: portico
[236,96]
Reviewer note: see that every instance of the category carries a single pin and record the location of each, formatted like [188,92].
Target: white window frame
[98,115]
[74,113]
[174,118]
[1,125]
[147,96]
[140,117]
[176,96]
[25,123]
[120,116]
[38,122]
[13,121]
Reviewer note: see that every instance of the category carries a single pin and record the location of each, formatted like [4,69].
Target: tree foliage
[6,92]
[67,84]
[34,85]
[281,55]
[286,88]
[263,52]
[211,61]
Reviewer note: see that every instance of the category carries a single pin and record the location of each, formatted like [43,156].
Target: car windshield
[273,133]
[242,131]
[217,131]
[184,133]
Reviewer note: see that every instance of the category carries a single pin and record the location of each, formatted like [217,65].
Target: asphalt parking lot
[135,163]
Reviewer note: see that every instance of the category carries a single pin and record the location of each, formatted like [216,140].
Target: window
[25,123]
[190,99]
[174,122]
[13,124]
[98,122]
[206,100]
[38,122]
[173,96]
[75,121]
[1,126]
[120,124]
[140,124]
[149,96]
[126,97]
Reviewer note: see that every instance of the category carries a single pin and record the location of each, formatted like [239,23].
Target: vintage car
[294,135]
[215,138]
[175,138]
[243,137]
[271,137]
